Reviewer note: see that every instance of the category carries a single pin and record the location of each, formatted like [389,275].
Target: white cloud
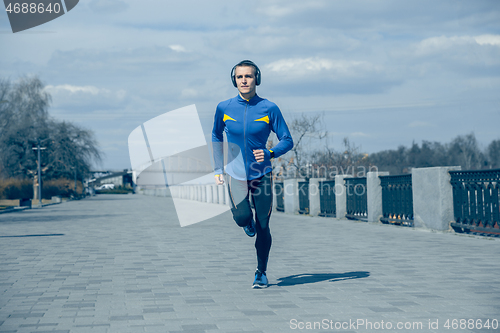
[437,44]
[67,95]
[488,39]
[73,89]
[301,66]
[65,88]
[177,48]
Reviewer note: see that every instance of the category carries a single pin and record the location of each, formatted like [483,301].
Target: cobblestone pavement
[116,263]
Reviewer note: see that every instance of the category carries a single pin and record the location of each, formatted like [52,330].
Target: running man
[247,120]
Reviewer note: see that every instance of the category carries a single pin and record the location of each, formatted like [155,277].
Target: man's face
[245,80]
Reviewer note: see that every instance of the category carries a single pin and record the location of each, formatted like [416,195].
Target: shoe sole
[259,286]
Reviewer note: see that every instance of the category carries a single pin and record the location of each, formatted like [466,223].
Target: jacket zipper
[245,136]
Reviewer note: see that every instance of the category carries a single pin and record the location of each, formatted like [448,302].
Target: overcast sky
[385,73]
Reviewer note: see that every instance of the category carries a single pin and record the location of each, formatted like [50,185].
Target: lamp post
[74,173]
[39,172]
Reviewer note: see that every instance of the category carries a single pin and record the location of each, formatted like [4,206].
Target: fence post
[432,197]
[291,191]
[340,196]
[212,196]
[374,195]
[314,196]
[215,193]
[208,193]
[220,189]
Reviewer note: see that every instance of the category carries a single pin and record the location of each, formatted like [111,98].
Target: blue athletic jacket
[247,125]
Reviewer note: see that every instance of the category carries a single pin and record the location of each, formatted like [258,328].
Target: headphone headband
[246,63]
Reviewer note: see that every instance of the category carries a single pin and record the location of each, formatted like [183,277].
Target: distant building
[123,178]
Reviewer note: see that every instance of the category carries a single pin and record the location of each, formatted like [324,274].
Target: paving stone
[122,263]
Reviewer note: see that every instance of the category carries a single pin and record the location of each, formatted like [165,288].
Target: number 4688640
[32,8]
[471,324]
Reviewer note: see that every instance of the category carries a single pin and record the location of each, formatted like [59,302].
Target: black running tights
[261,194]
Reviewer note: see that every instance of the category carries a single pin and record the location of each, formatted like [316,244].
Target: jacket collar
[252,100]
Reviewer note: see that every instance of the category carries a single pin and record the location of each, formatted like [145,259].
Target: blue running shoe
[260,280]
[250,229]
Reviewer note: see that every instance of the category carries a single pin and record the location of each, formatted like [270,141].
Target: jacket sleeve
[280,127]
[218,141]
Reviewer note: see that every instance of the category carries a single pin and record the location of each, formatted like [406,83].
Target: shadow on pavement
[41,235]
[101,197]
[293,280]
[33,217]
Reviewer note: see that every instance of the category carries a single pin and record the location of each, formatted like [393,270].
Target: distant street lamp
[39,171]
[74,168]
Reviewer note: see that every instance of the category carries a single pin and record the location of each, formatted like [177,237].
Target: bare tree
[307,131]
[72,148]
[348,160]
[394,160]
[25,120]
[493,152]
[464,150]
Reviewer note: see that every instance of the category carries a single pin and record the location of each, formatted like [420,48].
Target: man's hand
[219,179]
[259,155]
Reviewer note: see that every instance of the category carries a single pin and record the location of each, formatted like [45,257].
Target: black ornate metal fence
[327,201]
[280,196]
[357,205]
[476,200]
[304,197]
[397,200]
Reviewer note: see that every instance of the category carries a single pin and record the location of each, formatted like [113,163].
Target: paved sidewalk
[123,264]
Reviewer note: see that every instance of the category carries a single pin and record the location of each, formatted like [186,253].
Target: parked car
[106,187]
